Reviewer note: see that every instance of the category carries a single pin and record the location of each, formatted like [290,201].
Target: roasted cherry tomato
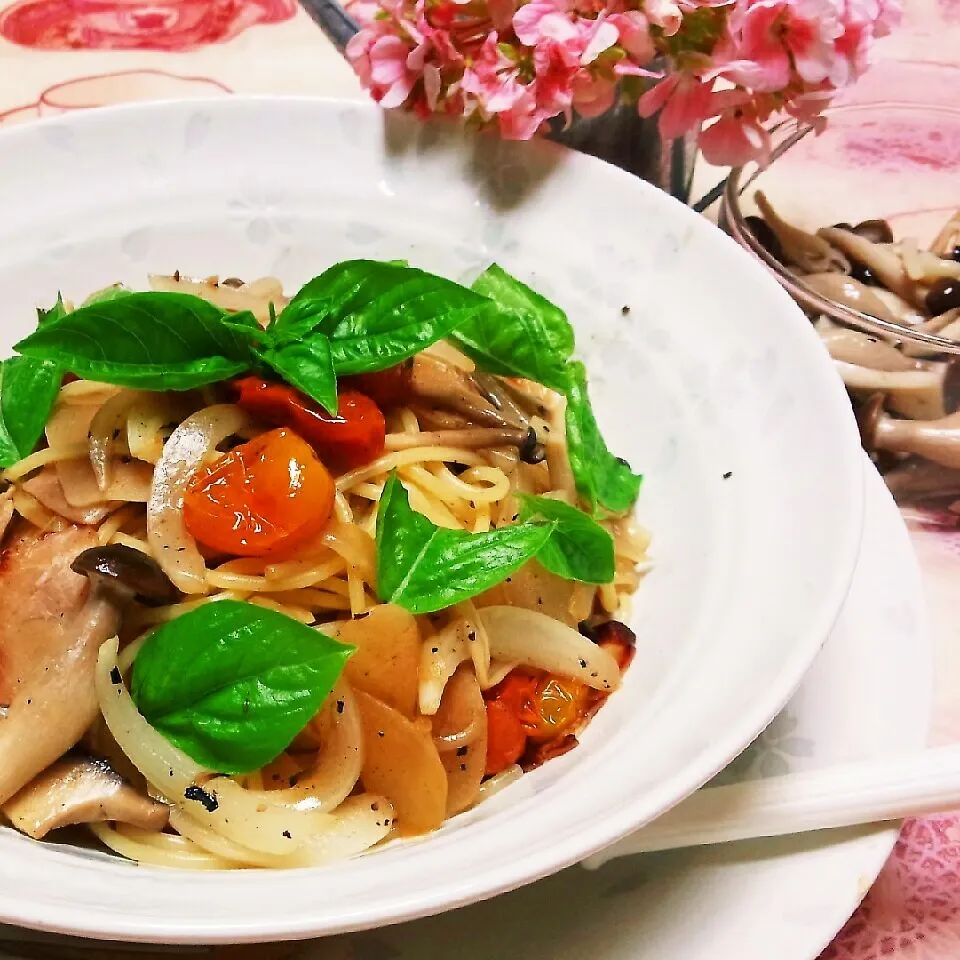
[265,497]
[543,707]
[351,438]
[506,737]
[388,388]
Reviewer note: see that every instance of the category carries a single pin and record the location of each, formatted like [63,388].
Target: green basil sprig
[520,334]
[231,683]
[28,389]
[152,341]
[579,548]
[424,568]
[604,481]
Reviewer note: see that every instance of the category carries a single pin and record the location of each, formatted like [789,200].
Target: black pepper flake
[594,674]
[625,310]
[509,579]
[472,636]
[434,649]
[207,800]
[583,664]
[463,766]
[380,733]
[340,706]
[294,779]
[115,676]
[462,751]
[29,701]
[374,806]
[728,475]
[286,833]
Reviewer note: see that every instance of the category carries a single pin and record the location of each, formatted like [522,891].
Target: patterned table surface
[62,55]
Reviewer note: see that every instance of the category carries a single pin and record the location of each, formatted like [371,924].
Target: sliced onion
[172,546]
[537,640]
[238,815]
[129,482]
[440,657]
[104,426]
[463,708]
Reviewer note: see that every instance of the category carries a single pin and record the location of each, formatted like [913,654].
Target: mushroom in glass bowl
[861,225]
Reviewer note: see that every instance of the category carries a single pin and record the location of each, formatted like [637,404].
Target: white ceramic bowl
[712,383]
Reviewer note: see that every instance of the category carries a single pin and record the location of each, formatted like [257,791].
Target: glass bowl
[899,162]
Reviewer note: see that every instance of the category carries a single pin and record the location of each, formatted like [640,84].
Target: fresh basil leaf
[154,341]
[579,548]
[376,314]
[606,482]
[57,311]
[231,684]
[28,389]
[520,334]
[423,567]
[308,365]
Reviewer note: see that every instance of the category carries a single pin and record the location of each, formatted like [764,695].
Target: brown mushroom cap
[868,416]
[121,570]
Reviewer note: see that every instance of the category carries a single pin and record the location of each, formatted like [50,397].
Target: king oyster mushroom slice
[809,251]
[61,597]
[936,440]
[925,394]
[80,789]
[948,239]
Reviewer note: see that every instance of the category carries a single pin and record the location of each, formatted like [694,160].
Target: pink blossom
[665,14]
[634,30]
[604,35]
[493,79]
[545,20]
[736,137]
[592,95]
[684,102]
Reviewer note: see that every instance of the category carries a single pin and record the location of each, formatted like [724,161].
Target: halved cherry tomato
[506,737]
[265,497]
[388,388]
[350,438]
[543,707]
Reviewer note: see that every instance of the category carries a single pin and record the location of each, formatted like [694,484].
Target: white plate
[713,382]
[868,694]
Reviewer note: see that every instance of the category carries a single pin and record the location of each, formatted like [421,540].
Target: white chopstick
[845,795]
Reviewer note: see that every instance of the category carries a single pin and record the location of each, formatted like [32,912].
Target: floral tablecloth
[62,55]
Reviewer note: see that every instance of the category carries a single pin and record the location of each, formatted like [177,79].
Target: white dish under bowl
[711,382]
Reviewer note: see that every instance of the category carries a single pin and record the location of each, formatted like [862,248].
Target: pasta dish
[285,578]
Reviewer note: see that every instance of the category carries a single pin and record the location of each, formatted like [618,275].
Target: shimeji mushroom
[52,623]
[810,252]
[918,479]
[80,789]
[936,440]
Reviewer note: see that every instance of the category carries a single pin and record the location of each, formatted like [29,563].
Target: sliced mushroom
[447,386]
[883,260]
[926,394]
[936,440]
[52,623]
[809,251]
[495,391]
[46,676]
[925,267]
[947,241]
[46,488]
[530,450]
[79,789]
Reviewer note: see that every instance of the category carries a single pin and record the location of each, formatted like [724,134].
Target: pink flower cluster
[723,67]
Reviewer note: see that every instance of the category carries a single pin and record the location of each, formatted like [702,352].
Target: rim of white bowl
[59,915]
